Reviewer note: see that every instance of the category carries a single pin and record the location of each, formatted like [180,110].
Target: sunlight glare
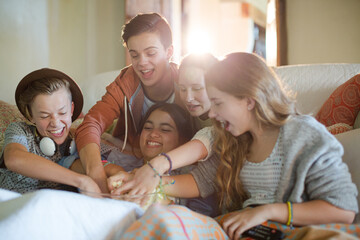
[199,42]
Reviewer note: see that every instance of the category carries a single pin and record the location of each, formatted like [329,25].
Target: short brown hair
[41,86]
[148,22]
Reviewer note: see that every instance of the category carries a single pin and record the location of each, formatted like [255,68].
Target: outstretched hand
[143,181]
[240,221]
[115,181]
[87,184]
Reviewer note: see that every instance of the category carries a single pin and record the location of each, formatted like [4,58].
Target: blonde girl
[274,163]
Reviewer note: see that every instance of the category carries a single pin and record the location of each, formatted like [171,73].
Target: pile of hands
[140,181]
[139,186]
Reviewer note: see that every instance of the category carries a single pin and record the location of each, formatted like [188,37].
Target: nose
[54,121]
[189,96]
[143,59]
[212,113]
[154,133]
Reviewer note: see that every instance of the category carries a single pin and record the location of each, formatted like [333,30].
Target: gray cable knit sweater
[313,167]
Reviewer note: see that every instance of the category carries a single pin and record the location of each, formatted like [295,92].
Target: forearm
[308,213]
[112,169]
[34,166]
[187,154]
[183,187]
[91,161]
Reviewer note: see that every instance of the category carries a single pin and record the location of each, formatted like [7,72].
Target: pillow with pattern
[8,113]
[343,104]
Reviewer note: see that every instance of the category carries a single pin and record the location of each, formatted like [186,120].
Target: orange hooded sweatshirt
[123,100]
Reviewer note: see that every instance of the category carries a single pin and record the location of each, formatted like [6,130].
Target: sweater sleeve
[101,115]
[206,136]
[318,172]
[205,175]
[329,179]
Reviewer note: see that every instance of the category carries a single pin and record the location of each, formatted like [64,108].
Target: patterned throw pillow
[8,113]
[343,104]
[339,128]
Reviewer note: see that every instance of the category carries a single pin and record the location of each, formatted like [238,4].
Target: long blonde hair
[245,75]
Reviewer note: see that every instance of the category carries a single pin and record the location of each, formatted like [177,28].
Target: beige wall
[323,31]
[81,38]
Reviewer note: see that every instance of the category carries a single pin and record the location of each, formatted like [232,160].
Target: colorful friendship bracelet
[156,172]
[105,162]
[169,159]
[160,188]
[290,219]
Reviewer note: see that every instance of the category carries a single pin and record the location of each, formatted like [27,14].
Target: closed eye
[151,54]
[166,130]
[198,88]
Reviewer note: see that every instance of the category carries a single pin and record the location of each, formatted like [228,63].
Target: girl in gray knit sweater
[274,163]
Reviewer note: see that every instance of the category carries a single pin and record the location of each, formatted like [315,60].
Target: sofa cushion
[343,104]
[8,113]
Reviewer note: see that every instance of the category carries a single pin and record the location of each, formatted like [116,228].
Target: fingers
[124,188]
[235,225]
[116,180]
[235,230]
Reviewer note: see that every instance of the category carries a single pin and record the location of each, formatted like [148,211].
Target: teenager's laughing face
[193,92]
[149,57]
[231,111]
[158,135]
[52,115]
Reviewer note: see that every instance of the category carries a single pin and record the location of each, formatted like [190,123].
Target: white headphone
[48,146]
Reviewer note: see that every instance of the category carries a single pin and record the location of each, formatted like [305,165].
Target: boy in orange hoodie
[149,79]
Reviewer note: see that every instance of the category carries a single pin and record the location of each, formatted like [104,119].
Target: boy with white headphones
[39,152]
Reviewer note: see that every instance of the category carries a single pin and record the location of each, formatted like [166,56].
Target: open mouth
[225,125]
[153,144]
[192,107]
[57,133]
[146,73]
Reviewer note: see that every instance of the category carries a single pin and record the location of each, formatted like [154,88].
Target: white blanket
[54,214]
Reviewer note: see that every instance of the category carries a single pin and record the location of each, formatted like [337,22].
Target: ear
[72,108]
[250,104]
[169,52]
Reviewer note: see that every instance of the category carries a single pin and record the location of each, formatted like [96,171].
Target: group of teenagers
[219,135]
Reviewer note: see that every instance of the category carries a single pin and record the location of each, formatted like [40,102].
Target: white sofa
[312,84]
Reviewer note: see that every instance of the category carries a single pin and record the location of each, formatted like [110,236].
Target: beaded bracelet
[160,188]
[105,162]
[290,219]
[156,172]
[169,159]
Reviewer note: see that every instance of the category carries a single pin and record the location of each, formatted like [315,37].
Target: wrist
[167,157]
[278,212]
[160,163]
[81,181]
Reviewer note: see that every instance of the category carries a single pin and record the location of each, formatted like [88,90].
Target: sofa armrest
[8,113]
[351,143]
